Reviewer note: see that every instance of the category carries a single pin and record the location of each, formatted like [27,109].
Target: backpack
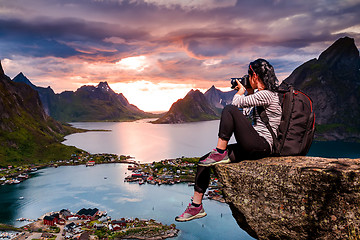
[297,126]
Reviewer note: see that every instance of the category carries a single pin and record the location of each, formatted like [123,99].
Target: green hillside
[27,134]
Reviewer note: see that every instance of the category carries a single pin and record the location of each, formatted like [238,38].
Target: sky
[155,51]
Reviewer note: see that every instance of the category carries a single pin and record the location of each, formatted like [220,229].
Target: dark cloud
[286,32]
[64,37]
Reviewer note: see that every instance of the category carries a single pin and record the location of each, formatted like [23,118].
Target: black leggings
[249,144]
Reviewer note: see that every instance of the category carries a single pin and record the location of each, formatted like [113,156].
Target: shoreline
[168,171]
[19,174]
[90,223]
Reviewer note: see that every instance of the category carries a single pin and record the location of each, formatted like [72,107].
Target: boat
[90,163]
[21,197]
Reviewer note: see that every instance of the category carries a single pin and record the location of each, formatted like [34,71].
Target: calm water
[154,142]
[76,187]
[145,141]
[53,189]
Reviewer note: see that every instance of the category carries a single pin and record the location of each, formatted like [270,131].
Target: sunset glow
[154,52]
[152,97]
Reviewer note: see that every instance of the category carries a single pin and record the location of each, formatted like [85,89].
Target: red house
[51,220]
[88,214]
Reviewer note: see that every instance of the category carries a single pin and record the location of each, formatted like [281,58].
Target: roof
[55,215]
[70,225]
[49,218]
[62,211]
[87,212]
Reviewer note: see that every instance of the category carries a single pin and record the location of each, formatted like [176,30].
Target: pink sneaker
[191,213]
[215,158]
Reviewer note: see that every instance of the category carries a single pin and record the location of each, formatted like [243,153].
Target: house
[98,225]
[52,219]
[70,226]
[89,213]
[65,213]
[118,224]
[49,220]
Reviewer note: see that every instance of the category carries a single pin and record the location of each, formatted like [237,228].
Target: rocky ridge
[87,103]
[294,197]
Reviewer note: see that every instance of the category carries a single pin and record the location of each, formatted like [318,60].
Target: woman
[254,141]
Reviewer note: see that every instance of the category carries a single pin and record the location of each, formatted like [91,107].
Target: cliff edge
[294,197]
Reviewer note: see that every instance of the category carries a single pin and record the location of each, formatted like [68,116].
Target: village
[173,171]
[169,171]
[92,223]
[16,174]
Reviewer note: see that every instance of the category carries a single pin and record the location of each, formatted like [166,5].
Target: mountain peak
[104,86]
[343,50]
[21,78]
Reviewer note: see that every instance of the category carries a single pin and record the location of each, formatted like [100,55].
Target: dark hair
[266,72]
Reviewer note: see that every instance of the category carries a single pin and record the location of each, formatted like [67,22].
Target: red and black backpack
[297,126]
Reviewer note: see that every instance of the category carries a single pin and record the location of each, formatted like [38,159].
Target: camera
[243,80]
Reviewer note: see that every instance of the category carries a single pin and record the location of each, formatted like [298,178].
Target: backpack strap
[264,117]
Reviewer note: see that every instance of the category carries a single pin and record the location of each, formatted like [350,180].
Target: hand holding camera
[242,85]
[243,80]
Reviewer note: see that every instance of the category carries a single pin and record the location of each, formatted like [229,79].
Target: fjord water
[145,141]
[154,142]
[103,186]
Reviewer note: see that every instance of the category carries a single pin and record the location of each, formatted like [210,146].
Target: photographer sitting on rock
[253,139]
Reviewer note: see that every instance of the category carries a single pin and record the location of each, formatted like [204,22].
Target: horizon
[154,51]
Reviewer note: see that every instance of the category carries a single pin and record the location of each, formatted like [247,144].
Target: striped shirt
[270,101]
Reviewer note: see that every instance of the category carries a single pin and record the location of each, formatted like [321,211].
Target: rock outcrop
[333,83]
[294,197]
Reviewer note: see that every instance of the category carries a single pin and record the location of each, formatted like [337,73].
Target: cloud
[67,43]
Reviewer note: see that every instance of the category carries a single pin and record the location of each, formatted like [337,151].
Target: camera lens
[233,82]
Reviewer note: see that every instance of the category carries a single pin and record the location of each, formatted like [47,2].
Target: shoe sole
[199,215]
[214,163]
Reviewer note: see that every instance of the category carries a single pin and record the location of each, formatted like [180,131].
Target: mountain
[88,103]
[219,99]
[47,95]
[333,83]
[27,134]
[193,107]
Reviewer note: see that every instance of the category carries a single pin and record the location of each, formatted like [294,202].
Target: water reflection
[145,141]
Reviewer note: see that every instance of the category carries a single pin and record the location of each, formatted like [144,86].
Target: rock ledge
[294,197]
